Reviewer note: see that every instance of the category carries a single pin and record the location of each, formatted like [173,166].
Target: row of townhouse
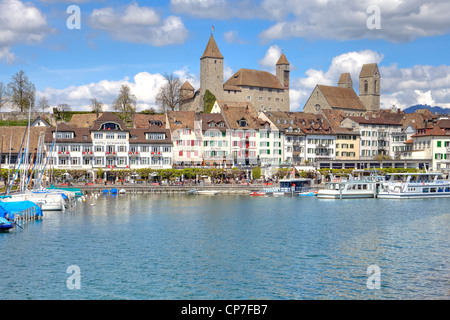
[234,134]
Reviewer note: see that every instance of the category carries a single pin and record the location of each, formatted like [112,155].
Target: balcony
[63,153]
[87,153]
[156,154]
[110,154]
[133,153]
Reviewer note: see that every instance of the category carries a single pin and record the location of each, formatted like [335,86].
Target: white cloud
[402,87]
[144,86]
[20,23]
[400,21]
[268,62]
[139,25]
[233,37]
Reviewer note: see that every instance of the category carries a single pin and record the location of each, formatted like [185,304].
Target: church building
[344,98]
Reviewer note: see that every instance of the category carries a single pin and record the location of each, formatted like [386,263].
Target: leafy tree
[77,174]
[21,92]
[256,173]
[208,101]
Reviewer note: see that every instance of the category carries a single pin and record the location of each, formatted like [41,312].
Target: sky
[76,50]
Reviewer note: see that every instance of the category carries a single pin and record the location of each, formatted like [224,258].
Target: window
[98,136]
[110,136]
[121,136]
[366,86]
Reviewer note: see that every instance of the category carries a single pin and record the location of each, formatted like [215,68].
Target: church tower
[283,71]
[369,87]
[211,71]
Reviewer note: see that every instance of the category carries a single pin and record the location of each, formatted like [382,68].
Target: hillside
[437,109]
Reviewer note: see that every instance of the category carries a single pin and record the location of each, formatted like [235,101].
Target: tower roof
[282,60]
[344,78]
[187,86]
[368,70]
[212,50]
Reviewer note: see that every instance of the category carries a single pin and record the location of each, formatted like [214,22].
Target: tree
[208,101]
[168,97]
[43,104]
[125,103]
[96,106]
[3,95]
[21,92]
[256,173]
[77,174]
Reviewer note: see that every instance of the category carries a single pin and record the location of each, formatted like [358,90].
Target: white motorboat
[208,192]
[414,186]
[348,190]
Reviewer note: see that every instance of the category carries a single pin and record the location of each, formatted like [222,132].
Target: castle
[267,92]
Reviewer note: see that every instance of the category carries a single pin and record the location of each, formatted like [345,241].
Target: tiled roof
[142,120]
[368,70]
[15,135]
[84,120]
[282,60]
[138,136]
[181,119]
[212,50]
[253,78]
[215,118]
[342,98]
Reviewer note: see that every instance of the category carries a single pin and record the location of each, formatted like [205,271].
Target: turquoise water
[231,247]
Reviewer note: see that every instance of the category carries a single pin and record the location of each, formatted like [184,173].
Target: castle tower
[369,87]
[211,71]
[345,81]
[283,71]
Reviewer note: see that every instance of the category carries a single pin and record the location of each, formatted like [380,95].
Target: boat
[192,192]
[278,194]
[295,186]
[208,192]
[414,186]
[122,191]
[114,191]
[348,190]
[5,224]
[257,194]
[311,193]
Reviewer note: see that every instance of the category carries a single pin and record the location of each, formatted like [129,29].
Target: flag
[212,28]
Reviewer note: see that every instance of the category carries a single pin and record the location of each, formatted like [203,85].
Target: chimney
[97,113]
[246,109]
[366,117]
[425,122]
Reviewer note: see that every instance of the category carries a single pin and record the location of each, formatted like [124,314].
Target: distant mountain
[439,110]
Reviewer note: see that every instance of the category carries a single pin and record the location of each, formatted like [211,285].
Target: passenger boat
[414,186]
[295,186]
[348,190]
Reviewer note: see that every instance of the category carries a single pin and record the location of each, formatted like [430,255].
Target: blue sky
[136,42]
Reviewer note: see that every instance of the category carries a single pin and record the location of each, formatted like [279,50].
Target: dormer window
[110,126]
[242,123]
[211,124]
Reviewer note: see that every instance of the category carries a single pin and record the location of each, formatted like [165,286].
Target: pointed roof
[187,86]
[344,78]
[341,98]
[368,70]
[212,50]
[282,60]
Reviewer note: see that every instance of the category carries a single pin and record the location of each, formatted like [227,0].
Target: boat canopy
[18,207]
[4,213]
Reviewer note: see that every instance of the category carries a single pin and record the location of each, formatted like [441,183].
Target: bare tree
[3,95]
[125,102]
[64,107]
[168,97]
[21,92]
[96,105]
[43,104]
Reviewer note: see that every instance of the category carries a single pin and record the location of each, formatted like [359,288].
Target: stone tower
[369,87]
[211,71]
[345,81]
[283,71]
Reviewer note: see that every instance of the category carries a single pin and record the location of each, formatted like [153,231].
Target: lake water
[232,247]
